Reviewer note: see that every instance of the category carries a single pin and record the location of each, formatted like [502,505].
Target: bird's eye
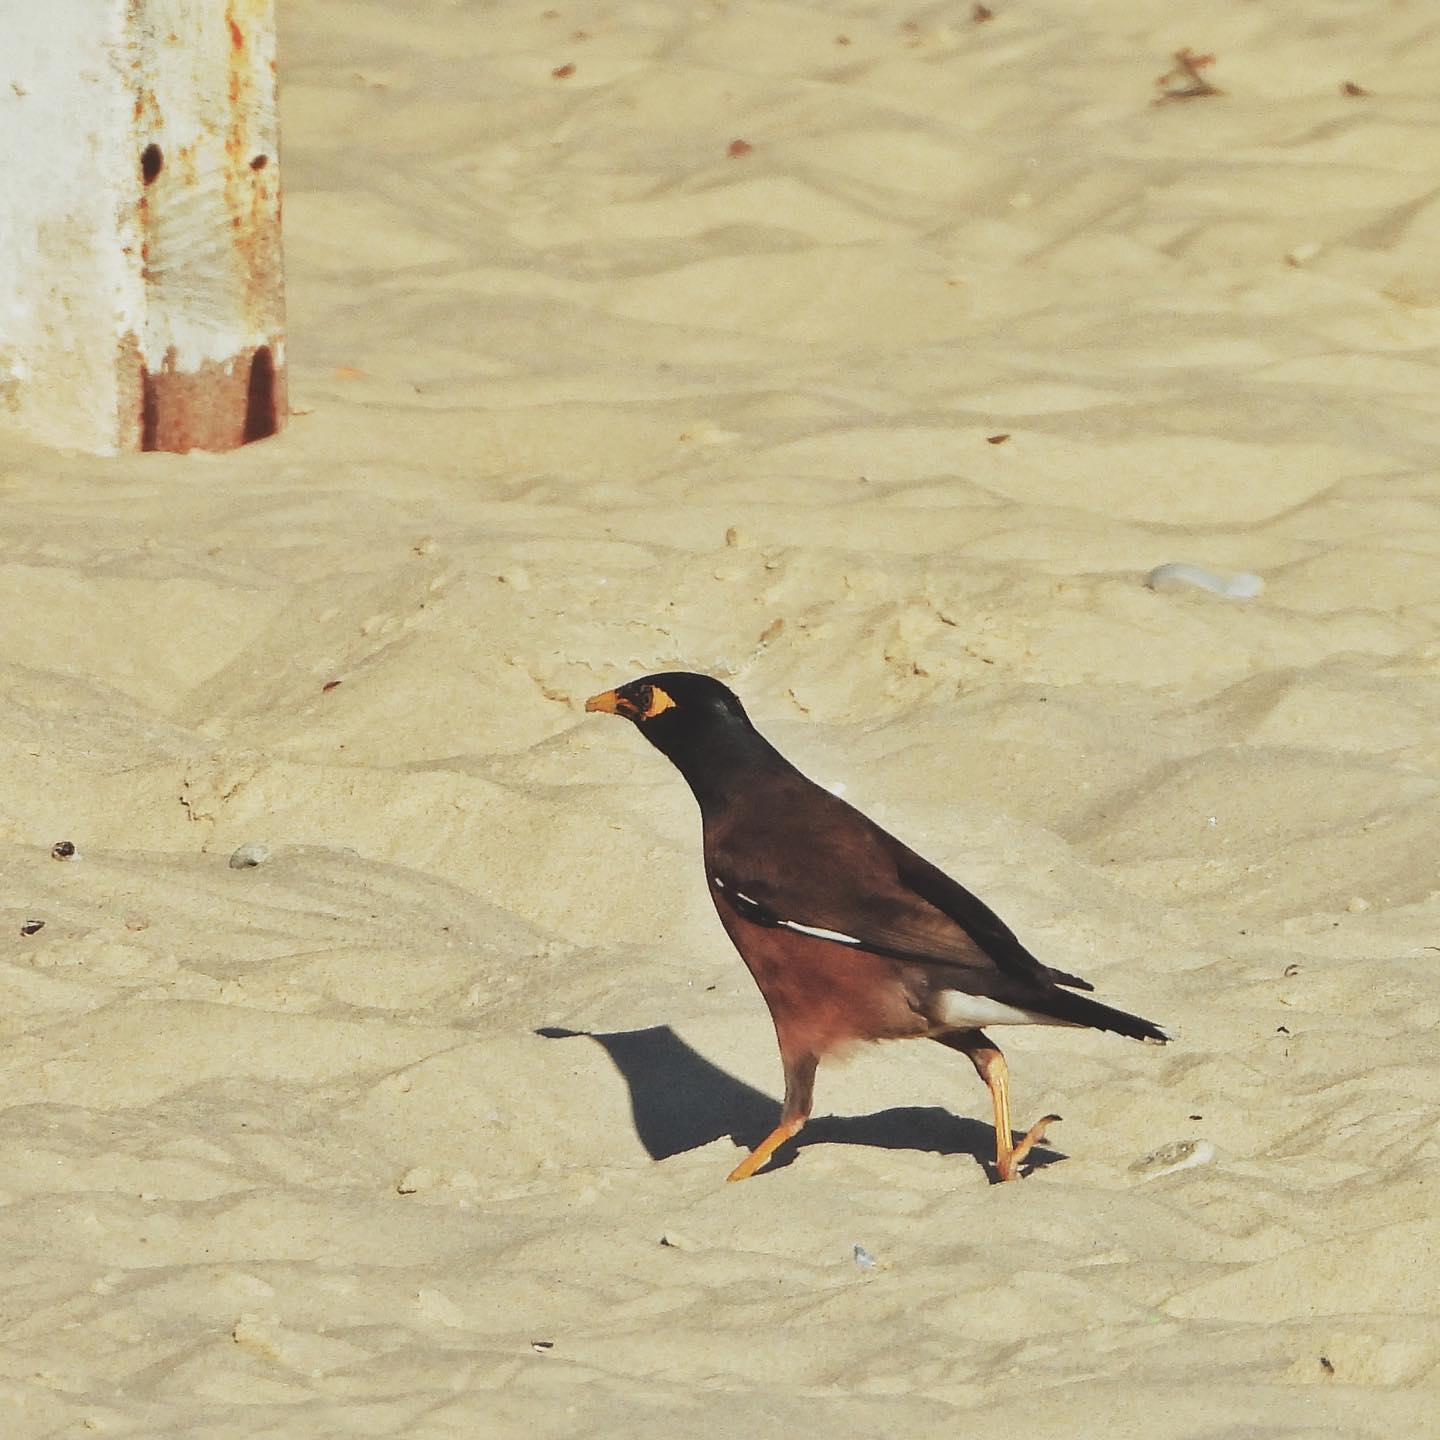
[651,701]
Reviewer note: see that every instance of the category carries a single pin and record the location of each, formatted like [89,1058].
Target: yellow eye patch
[657,703]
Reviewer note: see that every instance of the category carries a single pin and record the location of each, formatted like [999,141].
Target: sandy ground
[419,1128]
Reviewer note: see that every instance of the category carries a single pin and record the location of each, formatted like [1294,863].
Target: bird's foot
[1008,1165]
[764,1150]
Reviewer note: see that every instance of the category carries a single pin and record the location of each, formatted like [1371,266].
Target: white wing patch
[818,931]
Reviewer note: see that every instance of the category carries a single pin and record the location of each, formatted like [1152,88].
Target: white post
[141,275]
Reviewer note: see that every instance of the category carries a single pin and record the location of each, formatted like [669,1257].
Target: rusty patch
[149,410]
[252,186]
[217,407]
[261,419]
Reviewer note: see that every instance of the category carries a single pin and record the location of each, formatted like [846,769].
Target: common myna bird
[850,934]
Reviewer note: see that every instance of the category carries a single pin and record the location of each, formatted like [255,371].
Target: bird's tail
[1081,1010]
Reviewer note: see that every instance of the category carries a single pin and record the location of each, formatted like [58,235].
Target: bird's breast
[821,994]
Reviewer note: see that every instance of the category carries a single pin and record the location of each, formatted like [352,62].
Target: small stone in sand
[418,1178]
[249,856]
[62,850]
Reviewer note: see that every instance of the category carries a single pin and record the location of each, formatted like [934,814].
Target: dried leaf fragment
[1184,81]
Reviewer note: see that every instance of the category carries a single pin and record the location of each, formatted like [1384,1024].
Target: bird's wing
[866,924]
[749,900]
[974,916]
[850,881]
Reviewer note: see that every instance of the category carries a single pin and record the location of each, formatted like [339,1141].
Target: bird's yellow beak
[611,702]
[652,700]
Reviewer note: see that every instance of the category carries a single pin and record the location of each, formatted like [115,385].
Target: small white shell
[1178,1155]
[1177,575]
[248,856]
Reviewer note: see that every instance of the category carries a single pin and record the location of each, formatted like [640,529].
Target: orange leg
[799,1092]
[990,1065]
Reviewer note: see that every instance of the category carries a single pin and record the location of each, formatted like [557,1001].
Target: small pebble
[1177,575]
[32,927]
[1178,1155]
[62,850]
[1357,904]
[417,1179]
[249,856]
[863,1258]
[541,1346]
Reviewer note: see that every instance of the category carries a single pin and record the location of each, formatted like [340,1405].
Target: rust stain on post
[217,407]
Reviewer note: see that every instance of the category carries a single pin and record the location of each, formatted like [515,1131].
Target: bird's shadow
[680,1100]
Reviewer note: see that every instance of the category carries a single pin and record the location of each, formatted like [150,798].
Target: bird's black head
[695,722]
[675,710]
